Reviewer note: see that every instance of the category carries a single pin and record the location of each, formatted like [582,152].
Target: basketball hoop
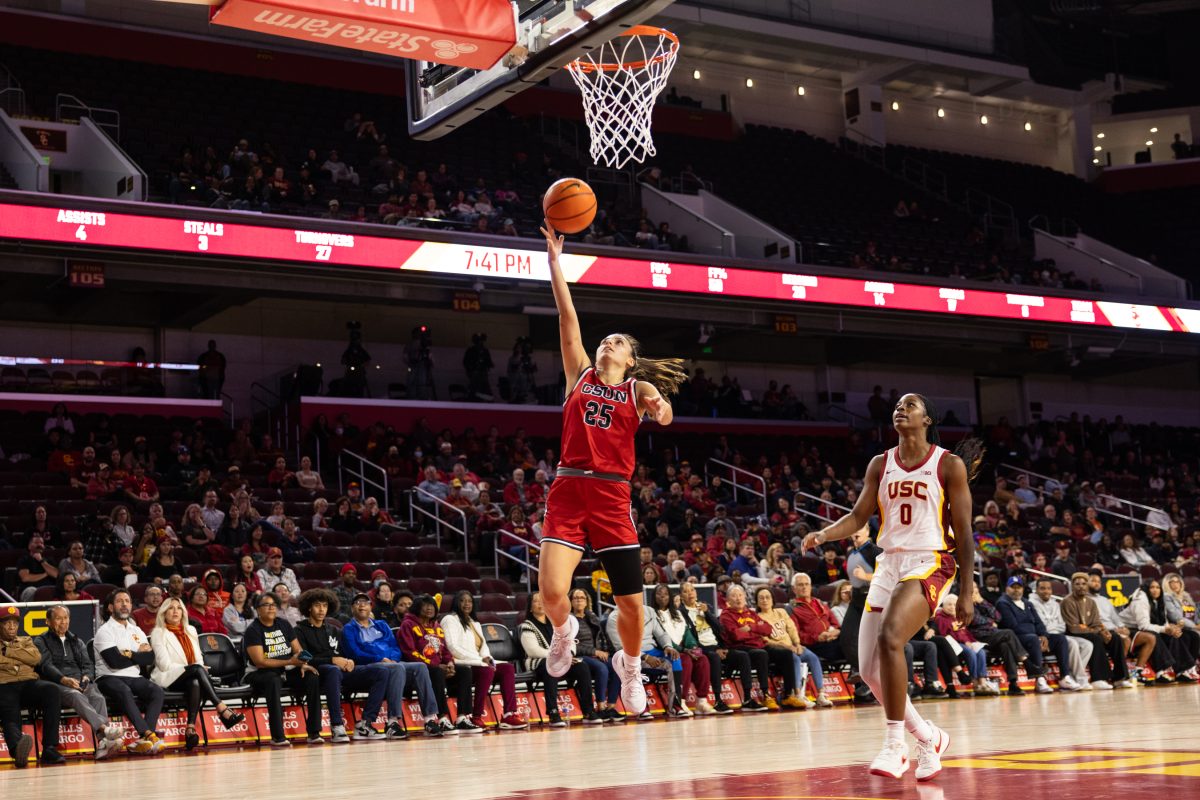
[620,81]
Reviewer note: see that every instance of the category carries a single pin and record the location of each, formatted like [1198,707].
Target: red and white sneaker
[513,721]
[929,754]
[892,761]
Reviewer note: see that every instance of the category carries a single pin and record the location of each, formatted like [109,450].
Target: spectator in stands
[140,488]
[275,572]
[1001,642]
[322,642]
[121,527]
[1024,495]
[273,659]
[84,571]
[345,592]
[816,625]
[296,548]
[65,590]
[21,686]
[339,171]
[370,641]
[246,573]
[474,663]
[804,661]
[1018,615]
[1082,618]
[194,531]
[319,522]
[306,478]
[239,612]
[746,563]
[201,614]
[33,570]
[535,633]
[1063,564]
[970,649]
[164,563]
[122,651]
[179,667]
[722,661]
[1179,149]
[287,603]
[839,601]
[744,630]
[422,639]
[1146,611]
[280,477]
[123,573]
[1072,672]
[592,647]
[658,656]
[695,666]
[145,614]
[101,485]
[384,604]
[719,525]
[59,418]
[67,664]
[373,517]
[235,534]
[1133,553]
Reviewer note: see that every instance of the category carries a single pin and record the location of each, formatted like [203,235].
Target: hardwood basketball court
[1065,746]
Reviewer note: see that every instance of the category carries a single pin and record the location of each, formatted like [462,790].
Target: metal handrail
[64,101]
[526,562]
[227,399]
[733,479]
[18,107]
[414,507]
[359,470]
[277,422]
[1100,509]
[799,507]
[870,423]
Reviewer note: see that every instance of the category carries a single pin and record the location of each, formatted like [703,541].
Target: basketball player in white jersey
[923,496]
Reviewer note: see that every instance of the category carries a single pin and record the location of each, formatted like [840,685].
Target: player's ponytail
[969,450]
[664,374]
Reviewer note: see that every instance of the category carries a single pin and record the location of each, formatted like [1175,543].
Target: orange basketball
[570,205]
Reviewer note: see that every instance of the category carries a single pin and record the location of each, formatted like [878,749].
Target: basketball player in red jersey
[923,495]
[589,501]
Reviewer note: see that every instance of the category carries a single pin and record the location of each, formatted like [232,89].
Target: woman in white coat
[473,662]
[179,667]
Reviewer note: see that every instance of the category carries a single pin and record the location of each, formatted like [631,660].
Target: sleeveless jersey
[914,513]
[599,424]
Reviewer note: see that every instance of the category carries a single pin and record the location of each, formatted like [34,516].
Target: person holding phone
[273,657]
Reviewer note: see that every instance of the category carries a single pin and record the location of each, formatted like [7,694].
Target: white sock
[917,725]
[895,731]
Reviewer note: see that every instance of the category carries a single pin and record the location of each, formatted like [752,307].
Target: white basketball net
[620,81]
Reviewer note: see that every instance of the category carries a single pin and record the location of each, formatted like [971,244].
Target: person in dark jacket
[1000,641]
[66,664]
[592,646]
[322,641]
[296,549]
[1022,618]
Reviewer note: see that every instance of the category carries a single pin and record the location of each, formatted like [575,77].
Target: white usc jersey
[914,513]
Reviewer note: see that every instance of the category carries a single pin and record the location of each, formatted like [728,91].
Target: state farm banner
[463,33]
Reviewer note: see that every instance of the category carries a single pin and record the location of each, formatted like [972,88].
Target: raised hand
[554,242]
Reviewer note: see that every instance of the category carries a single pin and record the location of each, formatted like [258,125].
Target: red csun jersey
[599,424]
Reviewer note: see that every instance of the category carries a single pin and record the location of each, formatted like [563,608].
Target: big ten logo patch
[731,693]
[74,737]
[568,705]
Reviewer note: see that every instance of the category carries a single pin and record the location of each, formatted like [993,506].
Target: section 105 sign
[85,274]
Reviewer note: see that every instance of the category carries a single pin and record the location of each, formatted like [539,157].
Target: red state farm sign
[462,33]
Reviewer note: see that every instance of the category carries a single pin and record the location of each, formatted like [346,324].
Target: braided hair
[970,450]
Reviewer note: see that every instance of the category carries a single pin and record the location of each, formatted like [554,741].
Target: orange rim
[637,30]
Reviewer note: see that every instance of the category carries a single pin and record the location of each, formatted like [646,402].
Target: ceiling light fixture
[895,105]
[749,83]
[941,113]
[695,74]
[983,120]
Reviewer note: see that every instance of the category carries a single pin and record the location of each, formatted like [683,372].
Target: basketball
[569,205]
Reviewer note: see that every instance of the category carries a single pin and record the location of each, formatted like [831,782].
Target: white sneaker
[1067,683]
[104,747]
[1125,684]
[1085,686]
[892,761]
[929,754]
[1042,686]
[703,707]
[559,659]
[1101,685]
[339,735]
[632,691]
[823,701]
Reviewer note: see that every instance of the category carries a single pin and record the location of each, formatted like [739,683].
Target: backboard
[550,33]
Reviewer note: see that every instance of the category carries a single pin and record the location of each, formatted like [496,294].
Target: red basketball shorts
[589,511]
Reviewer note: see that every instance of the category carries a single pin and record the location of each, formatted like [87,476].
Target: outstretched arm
[650,401]
[859,516]
[575,358]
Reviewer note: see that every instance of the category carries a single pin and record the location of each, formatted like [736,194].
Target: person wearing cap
[275,572]
[122,649]
[459,500]
[140,488]
[720,525]
[21,686]
[234,482]
[1082,617]
[101,485]
[345,592]
[123,573]
[1063,564]
[181,473]
[273,659]
[1018,615]
[369,641]
[67,664]
[355,496]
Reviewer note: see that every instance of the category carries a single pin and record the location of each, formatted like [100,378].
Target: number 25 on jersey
[597,414]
